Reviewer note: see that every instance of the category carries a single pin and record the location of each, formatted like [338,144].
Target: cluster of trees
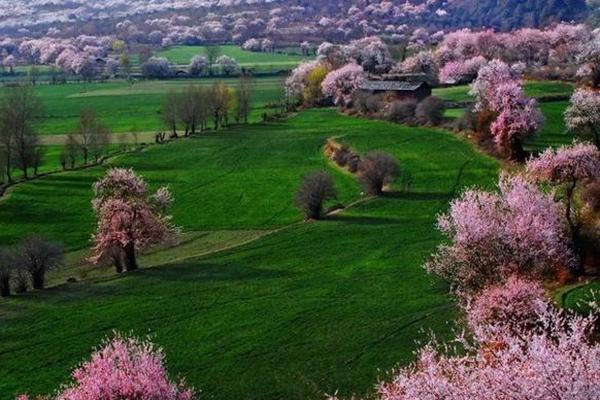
[26,265]
[198,105]
[376,171]
[19,141]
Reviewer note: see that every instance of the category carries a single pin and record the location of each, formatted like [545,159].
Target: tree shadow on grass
[418,196]
[362,220]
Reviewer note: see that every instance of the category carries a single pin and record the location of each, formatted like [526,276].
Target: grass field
[532,88]
[305,310]
[122,105]
[260,62]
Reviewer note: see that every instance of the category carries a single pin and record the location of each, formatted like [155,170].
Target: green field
[260,62]
[301,310]
[122,105]
[532,88]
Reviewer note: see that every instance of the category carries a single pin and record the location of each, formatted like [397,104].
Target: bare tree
[314,190]
[18,111]
[38,256]
[100,141]
[85,132]
[3,172]
[212,53]
[220,103]
[377,170]
[170,111]
[70,151]
[38,158]
[244,98]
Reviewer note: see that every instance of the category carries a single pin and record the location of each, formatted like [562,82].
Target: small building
[397,90]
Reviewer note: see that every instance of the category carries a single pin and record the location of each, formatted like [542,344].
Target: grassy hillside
[303,311]
[260,62]
[123,105]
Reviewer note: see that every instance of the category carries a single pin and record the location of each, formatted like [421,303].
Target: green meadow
[532,89]
[259,62]
[255,303]
[124,106]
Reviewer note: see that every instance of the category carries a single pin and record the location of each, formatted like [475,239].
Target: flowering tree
[518,230]
[583,115]
[371,53]
[252,45]
[567,167]
[124,368]
[129,218]
[198,66]
[517,117]
[156,67]
[554,360]
[515,304]
[228,65]
[296,83]
[457,72]
[342,83]
[421,63]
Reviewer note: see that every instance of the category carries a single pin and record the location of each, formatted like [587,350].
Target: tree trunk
[37,280]
[574,227]
[5,287]
[596,136]
[130,260]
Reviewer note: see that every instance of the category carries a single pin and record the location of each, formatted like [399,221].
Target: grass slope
[303,311]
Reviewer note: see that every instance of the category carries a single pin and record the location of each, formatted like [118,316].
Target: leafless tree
[170,111]
[314,191]
[244,98]
[18,111]
[377,170]
[70,151]
[38,256]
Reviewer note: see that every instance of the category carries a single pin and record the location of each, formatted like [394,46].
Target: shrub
[373,104]
[377,170]
[401,111]
[38,256]
[467,122]
[314,190]
[430,111]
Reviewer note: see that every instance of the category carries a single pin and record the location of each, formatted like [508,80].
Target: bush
[38,256]
[314,190]
[401,111]
[377,170]
[430,111]
[467,122]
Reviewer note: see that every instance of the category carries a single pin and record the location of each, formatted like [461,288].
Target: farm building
[400,90]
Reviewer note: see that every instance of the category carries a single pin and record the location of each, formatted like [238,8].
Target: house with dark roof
[396,90]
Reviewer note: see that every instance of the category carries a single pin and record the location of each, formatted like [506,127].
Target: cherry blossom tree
[421,63]
[129,218]
[568,167]
[156,67]
[342,83]
[296,83]
[371,53]
[460,72]
[555,359]
[198,66]
[227,64]
[123,368]
[582,117]
[517,117]
[492,235]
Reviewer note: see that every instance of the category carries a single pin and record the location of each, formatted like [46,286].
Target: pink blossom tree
[567,168]
[129,218]
[421,63]
[515,304]
[582,117]
[457,72]
[492,235]
[517,117]
[341,84]
[124,368]
[556,359]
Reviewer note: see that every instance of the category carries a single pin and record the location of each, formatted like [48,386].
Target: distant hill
[510,14]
